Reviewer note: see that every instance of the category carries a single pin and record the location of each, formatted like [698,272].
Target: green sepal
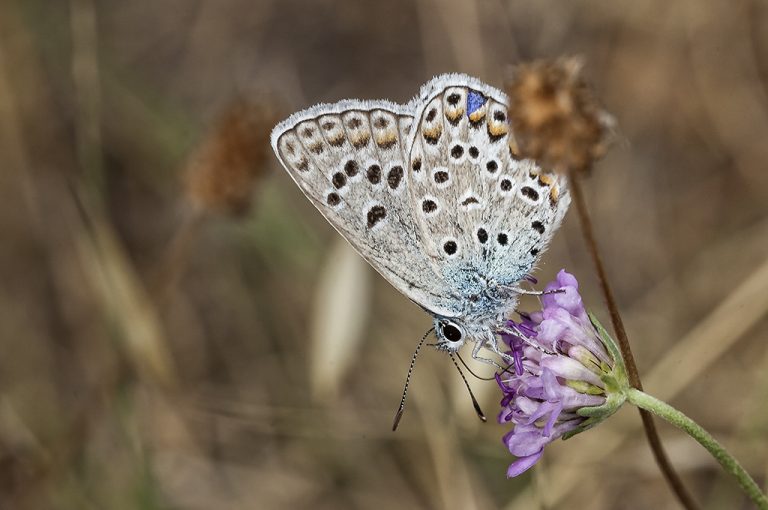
[597,414]
[616,380]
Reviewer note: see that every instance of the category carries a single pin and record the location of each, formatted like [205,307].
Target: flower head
[568,374]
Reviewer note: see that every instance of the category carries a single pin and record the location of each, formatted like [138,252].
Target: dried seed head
[555,118]
[221,173]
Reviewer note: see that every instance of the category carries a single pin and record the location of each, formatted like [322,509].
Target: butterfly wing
[349,160]
[482,211]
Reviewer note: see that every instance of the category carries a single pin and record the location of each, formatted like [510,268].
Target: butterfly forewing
[349,159]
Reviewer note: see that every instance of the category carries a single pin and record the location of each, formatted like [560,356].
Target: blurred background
[180,329]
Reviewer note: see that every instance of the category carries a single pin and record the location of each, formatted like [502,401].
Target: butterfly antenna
[401,409]
[472,395]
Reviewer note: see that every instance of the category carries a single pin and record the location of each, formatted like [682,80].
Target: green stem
[678,419]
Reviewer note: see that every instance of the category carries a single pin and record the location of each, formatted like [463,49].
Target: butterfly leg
[493,345]
[519,290]
[527,341]
[476,355]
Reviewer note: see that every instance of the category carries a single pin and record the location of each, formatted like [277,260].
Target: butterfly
[434,195]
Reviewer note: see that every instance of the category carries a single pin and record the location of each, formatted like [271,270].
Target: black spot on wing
[375,215]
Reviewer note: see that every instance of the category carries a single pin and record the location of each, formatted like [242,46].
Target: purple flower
[566,374]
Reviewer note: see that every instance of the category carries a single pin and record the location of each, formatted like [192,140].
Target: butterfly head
[451,334]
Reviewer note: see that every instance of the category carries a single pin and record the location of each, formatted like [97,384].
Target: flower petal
[551,385]
[569,368]
[573,400]
[525,440]
[566,279]
[523,464]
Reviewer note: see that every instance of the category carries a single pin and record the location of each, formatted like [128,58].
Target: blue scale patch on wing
[475,101]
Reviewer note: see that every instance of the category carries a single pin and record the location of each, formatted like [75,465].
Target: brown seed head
[555,118]
[223,170]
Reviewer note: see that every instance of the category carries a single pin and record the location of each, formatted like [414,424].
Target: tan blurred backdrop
[179,328]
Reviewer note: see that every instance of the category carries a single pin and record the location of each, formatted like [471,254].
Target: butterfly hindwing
[349,159]
[483,213]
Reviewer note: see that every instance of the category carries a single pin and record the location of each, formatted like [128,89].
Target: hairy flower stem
[681,421]
[626,352]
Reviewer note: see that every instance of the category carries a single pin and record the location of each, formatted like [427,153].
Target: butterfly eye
[451,332]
